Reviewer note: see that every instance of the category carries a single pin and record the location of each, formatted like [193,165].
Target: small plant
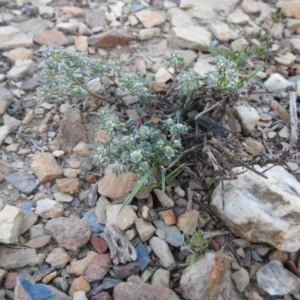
[197,245]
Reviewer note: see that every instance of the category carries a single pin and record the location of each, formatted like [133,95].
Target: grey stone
[23,181]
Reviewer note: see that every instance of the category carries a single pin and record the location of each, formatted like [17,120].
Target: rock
[127,270]
[123,219]
[21,69]
[238,17]
[51,38]
[73,11]
[179,18]
[274,279]
[268,205]
[276,82]
[292,25]
[163,198]
[168,217]
[68,185]
[241,279]
[68,27]
[19,54]
[26,290]
[110,39]
[131,290]
[173,235]
[71,233]
[188,222]
[125,182]
[100,210]
[45,167]
[11,258]
[99,244]
[284,132]
[295,45]
[208,278]
[285,59]
[12,122]
[161,277]
[3,274]
[252,7]
[58,258]
[11,37]
[38,242]
[203,66]
[4,131]
[46,11]
[148,33]
[95,19]
[78,267]
[5,101]
[150,18]
[81,149]
[222,32]
[290,8]
[239,44]
[162,251]
[97,268]
[191,37]
[48,208]
[71,130]
[254,147]
[247,117]
[79,284]
[33,25]
[145,229]
[163,75]
[62,197]
[282,113]
[70,173]
[10,223]
[91,218]
[37,230]
[23,181]
[217,5]
[28,220]
[142,256]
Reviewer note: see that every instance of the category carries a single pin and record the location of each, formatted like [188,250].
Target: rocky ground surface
[61,236]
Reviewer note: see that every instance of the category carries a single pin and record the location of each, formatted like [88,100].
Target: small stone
[58,258]
[4,131]
[277,81]
[285,59]
[71,233]
[274,279]
[25,289]
[99,244]
[191,37]
[110,39]
[19,54]
[51,38]
[238,17]
[222,32]
[127,270]
[241,279]
[282,113]
[179,18]
[81,149]
[282,256]
[72,10]
[79,284]
[48,208]
[149,33]
[161,277]
[163,75]
[68,185]
[123,219]
[46,11]
[12,122]
[164,199]
[3,274]
[23,181]
[28,220]
[62,197]
[97,268]
[78,267]
[284,132]
[80,295]
[95,19]
[45,167]
[21,69]
[162,251]
[49,277]
[290,8]
[11,280]
[38,242]
[37,230]
[12,37]
[81,43]
[168,217]
[145,229]
[188,221]
[142,256]
[150,18]
[91,218]
[71,130]
[69,27]
[11,258]
[248,118]
[239,44]
[58,153]
[10,223]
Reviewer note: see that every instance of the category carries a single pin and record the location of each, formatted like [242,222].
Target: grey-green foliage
[139,148]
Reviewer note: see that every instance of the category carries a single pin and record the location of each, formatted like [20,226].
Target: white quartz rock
[260,209]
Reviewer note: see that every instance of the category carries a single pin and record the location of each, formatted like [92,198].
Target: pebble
[68,185]
[78,267]
[79,284]
[162,251]
[150,18]
[71,233]
[99,244]
[188,222]
[127,270]
[161,277]
[241,279]
[48,208]
[168,217]
[12,37]
[276,82]
[51,38]
[222,32]
[98,267]
[38,242]
[142,256]
[91,218]
[164,199]
[58,258]
[145,229]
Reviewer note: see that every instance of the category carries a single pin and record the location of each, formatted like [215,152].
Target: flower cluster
[176,61]
[141,148]
[136,84]
[187,84]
